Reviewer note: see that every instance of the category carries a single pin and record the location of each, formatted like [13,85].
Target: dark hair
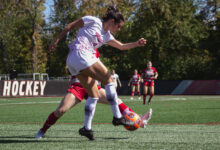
[113,13]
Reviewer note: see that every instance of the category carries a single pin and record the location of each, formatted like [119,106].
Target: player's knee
[111,97]
[107,79]
[111,93]
[60,112]
[151,94]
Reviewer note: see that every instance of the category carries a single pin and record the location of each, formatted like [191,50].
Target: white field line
[51,102]
[156,99]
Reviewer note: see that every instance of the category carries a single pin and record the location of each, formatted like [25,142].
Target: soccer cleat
[139,97]
[87,133]
[146,118]
[122,121]
[39,135]
[148,102]
[132,98]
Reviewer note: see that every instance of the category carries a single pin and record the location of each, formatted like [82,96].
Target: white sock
[112,98]
[90,107]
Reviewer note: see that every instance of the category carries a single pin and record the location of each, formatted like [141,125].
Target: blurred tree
[173,32]
[20,41]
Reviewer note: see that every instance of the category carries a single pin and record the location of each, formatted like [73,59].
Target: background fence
[22,88]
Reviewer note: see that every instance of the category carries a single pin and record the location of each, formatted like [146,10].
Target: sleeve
[88,20]
[155,70]
[108,37]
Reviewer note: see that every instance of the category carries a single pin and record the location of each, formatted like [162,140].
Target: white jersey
[92,35]
[89,37]
[115,77]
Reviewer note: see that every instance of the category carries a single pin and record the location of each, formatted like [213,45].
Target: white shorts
[78,60]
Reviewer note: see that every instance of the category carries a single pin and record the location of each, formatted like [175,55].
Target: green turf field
[178,122]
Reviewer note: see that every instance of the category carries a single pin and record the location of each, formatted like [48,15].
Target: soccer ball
[135,118]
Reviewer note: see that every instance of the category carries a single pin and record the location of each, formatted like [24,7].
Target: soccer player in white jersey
[116,79]
[93,33]
[75,94]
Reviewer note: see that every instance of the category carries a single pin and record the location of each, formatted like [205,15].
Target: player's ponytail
[113,13]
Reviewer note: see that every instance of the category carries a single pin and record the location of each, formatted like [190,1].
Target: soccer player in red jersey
[75,95]
[135,83]
[149,74]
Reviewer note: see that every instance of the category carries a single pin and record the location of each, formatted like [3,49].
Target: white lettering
[6,88]
[28,91]
[36,87]
[14,88]
[42,87]
[21,92]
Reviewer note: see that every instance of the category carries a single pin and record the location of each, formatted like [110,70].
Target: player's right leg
[68,101]
[138,90]
[132,91]
[99,72]
[145,94]
[151,89]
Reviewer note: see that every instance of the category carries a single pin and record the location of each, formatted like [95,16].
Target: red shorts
[148,83]
[78,90]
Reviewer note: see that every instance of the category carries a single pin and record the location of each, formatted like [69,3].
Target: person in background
[116,79]
[135,84]
[149,74]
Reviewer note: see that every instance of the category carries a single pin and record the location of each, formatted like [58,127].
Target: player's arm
[139,78]
[119,82]
[156,75]
[117,44]
[129,82]
[142,77]
[75,24]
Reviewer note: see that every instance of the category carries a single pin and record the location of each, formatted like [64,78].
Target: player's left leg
[122,107]
[145,93]
[132,91]
[68,101]
[151,89]
[138,90]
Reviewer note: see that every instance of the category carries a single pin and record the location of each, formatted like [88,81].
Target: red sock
[124,109]
[144,98]
[139,93]
[132,94]
[49,122]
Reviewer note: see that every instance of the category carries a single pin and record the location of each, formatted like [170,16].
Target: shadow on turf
[28,139]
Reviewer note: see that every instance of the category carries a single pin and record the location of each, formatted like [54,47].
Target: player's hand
[141,42]
[53,46]
[128,84]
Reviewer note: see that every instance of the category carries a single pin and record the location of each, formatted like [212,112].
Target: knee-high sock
[132,94]
[144,98]
[52,119]
[124,109]
[90,107]
[112,98]
[139,93]
[151,95]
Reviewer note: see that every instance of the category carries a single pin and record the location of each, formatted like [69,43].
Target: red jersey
[135,78]
[148,74]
